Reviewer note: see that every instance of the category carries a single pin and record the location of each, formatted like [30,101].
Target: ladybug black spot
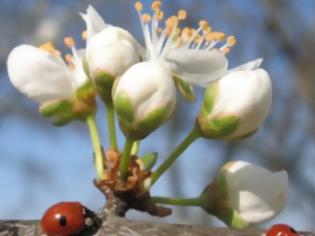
[62,220]
[292,230]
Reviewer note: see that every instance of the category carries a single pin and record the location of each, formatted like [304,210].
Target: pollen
[138,6]
[156,5]
[49,47]
[182,14]
[146,18]
[231,41]
[69,42]
[159,15]
[226,50]
[204,24]
[84,35]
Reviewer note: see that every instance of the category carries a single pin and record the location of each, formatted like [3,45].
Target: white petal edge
[94,22]
[198,67]
[251,65]
[255,192]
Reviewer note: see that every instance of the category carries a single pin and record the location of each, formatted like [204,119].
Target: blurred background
[41,164]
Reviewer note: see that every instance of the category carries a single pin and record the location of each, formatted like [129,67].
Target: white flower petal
[198,67]
[38,74]
[79,77]
[251,65]
[113,50]
[94,22]
[255,192]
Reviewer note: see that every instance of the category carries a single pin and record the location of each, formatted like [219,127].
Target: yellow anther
[146,18]
[225,50]
[182,14]
[138,6]
[156,5]
[171,21]
[203,24]
[69,42]
[84,35]
[218,36]
[231,41]
[198,39]
[159,15]
[49,47]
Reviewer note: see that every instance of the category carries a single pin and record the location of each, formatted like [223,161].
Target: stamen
[138,6]
[146,18]
[159,15]
[69,42]
[225,50]
[231,41]
[84,35]
[156,5]
[182,14]
[49,47]
[203,24]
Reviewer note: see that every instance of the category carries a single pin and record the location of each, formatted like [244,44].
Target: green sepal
[124,109]
[79,107]
[210,96]
[52,108]
[185,89]
[148,161]
[141,129]
[214,200]
[218,127]
[104,84]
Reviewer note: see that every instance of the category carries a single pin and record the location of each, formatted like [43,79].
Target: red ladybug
[281,230]
[66,218]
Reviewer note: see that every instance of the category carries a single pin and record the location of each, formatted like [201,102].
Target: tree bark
[118,226]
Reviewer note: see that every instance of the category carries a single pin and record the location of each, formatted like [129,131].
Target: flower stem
[123,166]
[177,201]
[99,162]
[111,125]
[190,138]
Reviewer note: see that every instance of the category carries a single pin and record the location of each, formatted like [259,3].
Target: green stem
[124,162]
[190,138]
[111,125]
[99,162]
[177,201]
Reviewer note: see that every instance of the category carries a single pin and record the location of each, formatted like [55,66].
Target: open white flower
[236,105]
[190,54]
[182,57]
[251,194]
[42,75]
[110,50]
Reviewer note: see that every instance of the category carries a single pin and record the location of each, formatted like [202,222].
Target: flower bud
[245,194]
[144,97]
[110,51]
[235,106]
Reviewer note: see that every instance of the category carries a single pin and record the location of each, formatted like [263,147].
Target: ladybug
[282,230]
[67,218]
